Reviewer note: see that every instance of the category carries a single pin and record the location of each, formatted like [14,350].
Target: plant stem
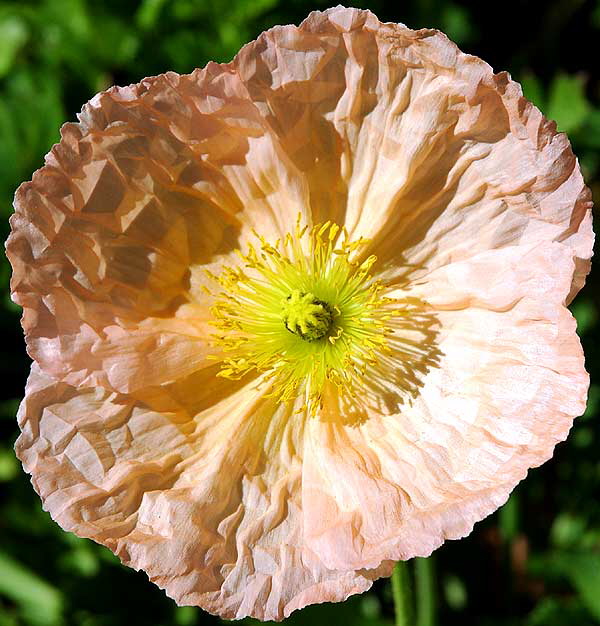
[401,594]
[425,592]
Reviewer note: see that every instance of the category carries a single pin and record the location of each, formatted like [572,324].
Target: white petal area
[509,381]
[410,142]
[199,486]
[157,182]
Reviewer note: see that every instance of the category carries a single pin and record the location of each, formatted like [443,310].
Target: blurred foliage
[534,563]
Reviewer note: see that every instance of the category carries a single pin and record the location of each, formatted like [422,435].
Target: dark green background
[537,561]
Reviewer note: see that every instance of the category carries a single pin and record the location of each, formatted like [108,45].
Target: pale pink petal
[157,182]
[508,382]
[158,478]
[415,144]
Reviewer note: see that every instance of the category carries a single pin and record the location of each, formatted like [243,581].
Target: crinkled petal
[157,182]
[409,141]
[158,478]
[509,381]
[481,222]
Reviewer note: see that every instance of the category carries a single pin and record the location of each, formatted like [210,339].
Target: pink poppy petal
[415,144]
[157,182]
[508,381]
[158,478]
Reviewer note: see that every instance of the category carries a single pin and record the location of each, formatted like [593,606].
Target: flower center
[335,318]
[307,316]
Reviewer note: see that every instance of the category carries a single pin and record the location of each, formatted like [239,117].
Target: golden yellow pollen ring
[304,311]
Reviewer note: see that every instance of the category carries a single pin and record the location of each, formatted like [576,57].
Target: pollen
[303,311]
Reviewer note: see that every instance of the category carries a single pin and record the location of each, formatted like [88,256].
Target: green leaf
[8,619]
[70,15]
[148,13]
[585,313]
[370,606]
[508,518]
[590,133]
[115,43]
[595,17]
[457,23]
[40,602]
[455,593]
[567,530]
[186,615]
[31,113]
[544,613]
[593,403]
[583,571]
[81,561]
[13,35]
[533,89]
[245,11]
[9,466]
[567,103]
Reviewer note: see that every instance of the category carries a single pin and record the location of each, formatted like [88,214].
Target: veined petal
[158,478]
[412,143]
[509,380]
[157,182]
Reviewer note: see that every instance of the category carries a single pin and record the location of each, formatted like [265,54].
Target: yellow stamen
[303,311]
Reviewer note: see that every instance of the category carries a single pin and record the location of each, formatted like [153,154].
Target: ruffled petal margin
[158,182]
[509,381]
[157,477]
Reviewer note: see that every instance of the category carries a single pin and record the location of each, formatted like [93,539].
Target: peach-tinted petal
[216,520]
[157,182]
[509,382]
[482,226]
[415,144]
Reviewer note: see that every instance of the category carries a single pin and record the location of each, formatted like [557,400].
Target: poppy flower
[301,315]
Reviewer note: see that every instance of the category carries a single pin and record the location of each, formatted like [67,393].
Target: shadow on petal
[397,376]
